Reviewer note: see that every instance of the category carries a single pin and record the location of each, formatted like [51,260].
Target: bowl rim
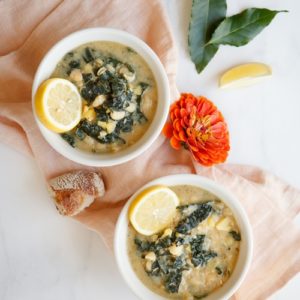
[160,116]
[212,186]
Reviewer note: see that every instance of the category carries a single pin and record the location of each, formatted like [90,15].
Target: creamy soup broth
[192,264]
[119,95]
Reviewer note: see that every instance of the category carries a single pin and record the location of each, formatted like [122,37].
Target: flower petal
[168,130]
[175,143]
[182,135]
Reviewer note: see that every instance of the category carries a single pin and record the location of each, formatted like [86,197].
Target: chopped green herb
[88,55]
[80,134]
[74,64]
[113,61]
[155,269]
[197,216]
[101,114]
[236,236]
[142,245]
[69,139]
[173,281]
[131,50]
[200,257]
[219,270]
[144,86]
[111,138]
[87,77]
[89,128]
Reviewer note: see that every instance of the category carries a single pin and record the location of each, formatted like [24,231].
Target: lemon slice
[244,75]
[58,104]
[153,210]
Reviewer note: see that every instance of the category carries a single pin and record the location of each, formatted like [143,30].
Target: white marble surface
[46,256]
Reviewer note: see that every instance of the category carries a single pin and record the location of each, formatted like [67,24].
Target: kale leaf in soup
[236,236]
[201,213]
[200,257]
[69,139]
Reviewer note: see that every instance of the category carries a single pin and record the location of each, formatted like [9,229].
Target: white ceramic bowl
[78,38]
[246,246]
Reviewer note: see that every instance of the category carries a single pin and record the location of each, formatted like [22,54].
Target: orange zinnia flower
[197,125]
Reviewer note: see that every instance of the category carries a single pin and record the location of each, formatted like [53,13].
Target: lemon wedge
[58,104]
[245,75]
[153,210]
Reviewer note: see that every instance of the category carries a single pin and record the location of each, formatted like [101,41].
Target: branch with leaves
[209,28]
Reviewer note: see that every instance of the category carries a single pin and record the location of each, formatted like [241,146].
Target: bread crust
[74,191]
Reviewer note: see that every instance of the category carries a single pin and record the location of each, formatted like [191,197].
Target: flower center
[201,128]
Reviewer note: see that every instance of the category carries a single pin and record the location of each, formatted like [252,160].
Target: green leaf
[240,29]
[205,17]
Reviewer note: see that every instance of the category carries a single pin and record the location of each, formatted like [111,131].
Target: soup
[119,95]
[195,255]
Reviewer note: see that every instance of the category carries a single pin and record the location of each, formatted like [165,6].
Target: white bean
[176,250]
[98,62]
[150,256]
[76,75]
[117,115]
[110,127]
[131,108]
[102,124]
[224,224]
[99,100]
[129,76]
[101,71]
[110,68]
[88,68]
[102,134]
[138,90]
[89,141]
[148,265]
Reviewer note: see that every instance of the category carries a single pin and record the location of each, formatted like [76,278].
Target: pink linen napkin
[28,31]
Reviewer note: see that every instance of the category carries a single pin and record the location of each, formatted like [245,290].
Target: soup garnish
[195,255]
[118,91]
